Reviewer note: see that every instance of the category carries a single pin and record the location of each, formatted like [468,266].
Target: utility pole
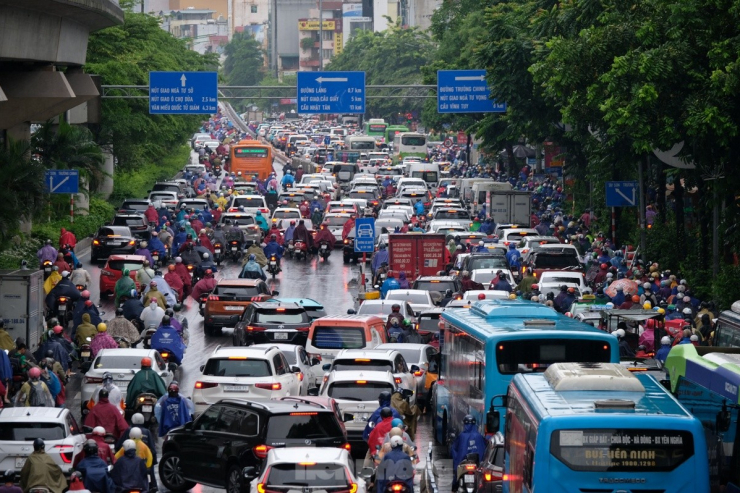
[643,230]
[321,35]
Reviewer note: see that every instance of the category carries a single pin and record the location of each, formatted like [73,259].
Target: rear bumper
[222,320]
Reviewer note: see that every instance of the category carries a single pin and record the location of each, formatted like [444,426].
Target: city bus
[392,131]
[705,380]
[360,143]
[484,347]
[251,157]
[599,428]
[375,127]
[409,144]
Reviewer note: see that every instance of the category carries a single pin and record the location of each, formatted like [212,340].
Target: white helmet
[129,445]
[396,442]
[665,340]
[135,433]
[619,333]
[686,311]
[99,430]
[609,306]
[694,338]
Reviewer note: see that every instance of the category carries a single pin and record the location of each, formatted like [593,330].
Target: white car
[286,213]
[336,222]
[418,355]
[315,469]
[446,227]
[418,299]
[167,199]
[488,294]
[458,216]
[123,364]
[383,308]
[398,213]
[485,276]
[408,209]
[296,356]
[246,373]
[527,243]
[195,168]
[20,426]
[550,281]
[515,235]
[249,204]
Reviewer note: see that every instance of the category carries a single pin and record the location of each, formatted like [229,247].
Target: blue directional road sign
[62,180]
[621,194]
[465,91]
[183,93]
[365,234]
[331,92]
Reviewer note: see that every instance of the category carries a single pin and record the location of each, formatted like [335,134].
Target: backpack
[36,397]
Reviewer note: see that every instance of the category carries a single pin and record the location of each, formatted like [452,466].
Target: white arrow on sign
[471,77]
[53,188]
[183,79]
[627,199]
[331,79]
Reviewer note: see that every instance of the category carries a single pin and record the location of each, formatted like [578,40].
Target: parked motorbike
[272,266]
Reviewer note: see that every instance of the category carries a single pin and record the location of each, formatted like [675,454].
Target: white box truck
[22,304]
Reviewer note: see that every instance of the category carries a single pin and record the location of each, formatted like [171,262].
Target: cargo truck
[22,304]
[417,254]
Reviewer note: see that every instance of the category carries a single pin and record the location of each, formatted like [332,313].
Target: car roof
[349,318]
[249,351]
[31,414]
[131,258]
[272,305]
[351,376]
[398,346]
[294,455]
[435,278]
[410,291]
[137,201]
[239,282]
[279,406]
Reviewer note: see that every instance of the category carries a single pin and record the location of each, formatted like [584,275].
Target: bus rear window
[362,146]
[427,176]
[622,450]
[339,338]
[556,261]
[250,152]
[409,140]
[535,355]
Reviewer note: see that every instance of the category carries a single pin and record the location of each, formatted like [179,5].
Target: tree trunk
[678,194]
[660,197]
[511,159]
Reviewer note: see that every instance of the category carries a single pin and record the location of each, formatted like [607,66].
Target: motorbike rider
[288,180]
[501,284]
[58,346]
[62,264]
[205,285]
[64,287]
[85,330]
[145,380]
[132,306]
[384,401]
[301,233]
[409,413]
[565,299]
[143,250]
[154,294]
[107,415]
[95,470]
[145,274]
[52,381]
[252,270]
[174,281]
[47,253]
[168,339]
[137,421]
[395,333]
[80,277]
[325,236]
[235,233]
[152,314]
[468,442]
[275,231]
[205,264]
[394,315]
[289,232]
[396,466]
[156,245]
[274,248]
[130,472]
[102,340]
[389,284]
[256,250]
[383,427]
[34,393]
[114,393]
[204,240]
[142,449]
[123,286]
[187,280]
[41,470]
[173,410]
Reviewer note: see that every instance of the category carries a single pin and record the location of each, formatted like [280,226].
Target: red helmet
[146,361]
[390,273]
[58,329]
[635,299]
[481,296]
[85,294]
[34,372]
[88,303]
[153,284]
[604,266]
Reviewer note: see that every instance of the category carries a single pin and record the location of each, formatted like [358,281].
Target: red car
[113,270]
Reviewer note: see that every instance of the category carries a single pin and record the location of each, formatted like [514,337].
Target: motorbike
[148,333]
[47,268]
[396,487]
[467,476]
[301,250]
[235,250]
[291,249]
[272,266]
[155,257]
[64,309]
[145,405]
[85,355]
[324,251]
[218,249]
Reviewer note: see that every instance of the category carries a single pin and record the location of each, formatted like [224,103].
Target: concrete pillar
[82,200]
[106,187]
[22,131]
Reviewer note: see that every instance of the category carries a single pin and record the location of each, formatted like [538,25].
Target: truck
[22,304]
[417,254]
[510,206]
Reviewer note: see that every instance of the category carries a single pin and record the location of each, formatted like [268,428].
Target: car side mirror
[249,472]
[417,314]
[326,367]
[351,312]
[202,367]
[295,369]
[415,368]
[348,417]
[493,421]
[314,391]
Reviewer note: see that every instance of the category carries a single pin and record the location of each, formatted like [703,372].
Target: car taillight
[212,297]
[300,376]
[302,329]
[205,385]
[93,380]
[398,380]
[106,273]
[347,446]
[263,211]
[66,452]
[418,373]
[494,476]
[269,386]
[260,451]
[254,328]
[132,242]
[95,242]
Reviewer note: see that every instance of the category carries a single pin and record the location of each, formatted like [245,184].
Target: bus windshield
[359,145]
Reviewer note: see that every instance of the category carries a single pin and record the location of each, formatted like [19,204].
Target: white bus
[429,172]
[360,143]
[409,144]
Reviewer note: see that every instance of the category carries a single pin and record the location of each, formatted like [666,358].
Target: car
[248,204]
[110,240]
[418,355]
[528,243]
[245,187]
[342,206]
[122,364]
[440,284]
[246,223]
[356,394]
[354,360]
[113,270]
[484,260]
[297,356]
[409,210]
[485,294]
[137,223]
[556,259]
[198,139]
[19,426]
[223,307]
[394,213]
[551,280]
[444,204]
[515,235]
[259,372]
[196,169]
[366,209]
[448,228]
[486,276]
[418,299]
[210,144]
[314,309]
[490,471]
[286,213]
[317,470]
[427,325]
[165,198]
[348,248]
[336,223]
[383,308]
[460,217]
[171,186]
[267,322]
[389,224]
[395,201]
[233,434]
[134,205]
[194,204]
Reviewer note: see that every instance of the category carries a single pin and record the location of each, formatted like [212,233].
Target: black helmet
[386,413]
[9,476]
[90,448]
[396,307]
[50,353]
[38,444]
[469,419]
[119,312]
[165,320]
[384,397]
[107,376]
[177,307]
[173,389]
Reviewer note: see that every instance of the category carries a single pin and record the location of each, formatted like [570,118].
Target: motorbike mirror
[87,429]
[314,391]
[172,367]
[249,472]
[276,293]
[351,312]
[407,393]
[415,368]
[202,367]
[366,473]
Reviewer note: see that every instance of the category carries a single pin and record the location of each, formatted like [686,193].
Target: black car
[138,206]
[484,261]
[348,248]
[233,434]
[137,223]
[278,322]
[112,239]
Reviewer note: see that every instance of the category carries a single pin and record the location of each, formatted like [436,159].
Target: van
[344,172]
[329,335]
[428,172]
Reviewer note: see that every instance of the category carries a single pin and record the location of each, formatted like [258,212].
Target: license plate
[236,388]
[114,243]
[281,336]
[121,383]
[146,409]
[233,249]
[469,478]
[85,354]
[19,462]
[234,308]
[273,264]
[218,250]
[62,308]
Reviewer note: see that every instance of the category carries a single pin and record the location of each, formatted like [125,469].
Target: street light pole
[321,35]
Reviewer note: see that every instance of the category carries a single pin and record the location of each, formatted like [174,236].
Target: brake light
[362,360]
[361,382]
[165,355]
[303,329]
[352,488]
[418,373]
[260,451]
[470,467]
[62,299]
[397,487]
[347,446]
[95,242]
[300,376]
[93,380]
[66,452]
[269,386]
[190,267]
[213,297]
[205,385]
[238,357]
[398,380]
[252,328]
[132,242]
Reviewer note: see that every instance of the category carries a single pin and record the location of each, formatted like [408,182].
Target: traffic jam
[319,305]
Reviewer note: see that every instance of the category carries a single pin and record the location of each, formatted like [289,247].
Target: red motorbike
[301,250]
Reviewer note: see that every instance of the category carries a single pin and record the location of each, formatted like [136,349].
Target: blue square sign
[331,92]
[365,235]
[465,91]
[189,93]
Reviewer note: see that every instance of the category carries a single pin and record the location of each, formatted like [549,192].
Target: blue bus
[483,347]
[599,428]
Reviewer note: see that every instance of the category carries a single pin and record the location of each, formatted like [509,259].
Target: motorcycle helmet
[9,476]
[173,389]
[135,433]
[146,362]
[386,413]
[58,329]
[107,377]
[90,448]
[166,320]
[119,310]
[102,327]
[85,294]
[396,442]
[129,445]
[469,419]
[137,419]
[665,340]
[647,305]
[34,373]
[384,397]
[99,430]
[396,423]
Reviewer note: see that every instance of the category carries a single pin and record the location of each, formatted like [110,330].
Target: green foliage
[244,65]
[135,184]
[307,43]
[23,186]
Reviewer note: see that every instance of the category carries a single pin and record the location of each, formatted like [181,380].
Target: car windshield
[118,362]
[304,425]
[286,214]
[446,214]
[366,364]
[27,431]
[339,338]
[128,221]
[135,206]
[237,367]
[416,298]
[336,220]
[308,475]
[557,261]
[248,202]
[237,291]
[113,232]
[515,235]
[281,316]
[160,196]
[239,220]
[498,262]
[440,286]
[412,356]
[356,391]
[561,279]
[161,187]
[119,265]
[375,309]
[362,194]
[427,176]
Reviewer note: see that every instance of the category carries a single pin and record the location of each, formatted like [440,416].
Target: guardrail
[429,482]
[236,119]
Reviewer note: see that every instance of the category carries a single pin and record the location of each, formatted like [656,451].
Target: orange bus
[251,157]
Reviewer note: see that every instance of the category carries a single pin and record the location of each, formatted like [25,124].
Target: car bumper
[107,285]
[106,251]
[297,338]
[223,320]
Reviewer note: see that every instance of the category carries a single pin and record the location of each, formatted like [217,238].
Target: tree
[23,185]
[244,64]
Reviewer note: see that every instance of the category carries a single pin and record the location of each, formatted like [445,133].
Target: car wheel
[233,480]
[170,473]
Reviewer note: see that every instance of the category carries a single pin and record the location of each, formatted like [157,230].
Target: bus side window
[528,465]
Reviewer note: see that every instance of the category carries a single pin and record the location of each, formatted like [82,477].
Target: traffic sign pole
[614,227]
[72,208]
